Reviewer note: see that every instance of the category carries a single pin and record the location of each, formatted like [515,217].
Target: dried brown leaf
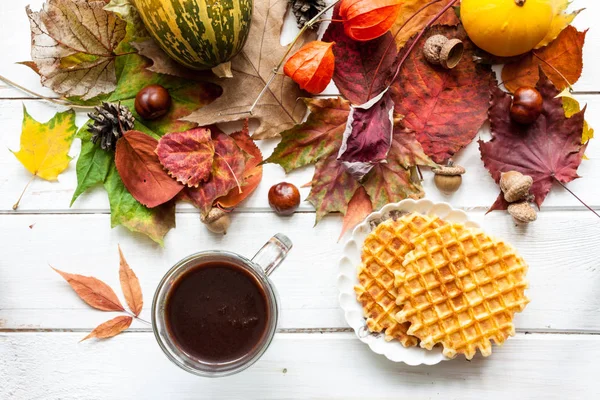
[130,286]
[93,291]
[110,328]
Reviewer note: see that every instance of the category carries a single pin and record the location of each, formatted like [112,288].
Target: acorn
[216,220]
[439,50]
[526,106]
[515,185]
[522,212]
[448,178]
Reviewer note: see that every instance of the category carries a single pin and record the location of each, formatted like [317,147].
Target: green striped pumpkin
[199,34]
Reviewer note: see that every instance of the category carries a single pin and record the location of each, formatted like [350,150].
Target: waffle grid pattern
[461,288]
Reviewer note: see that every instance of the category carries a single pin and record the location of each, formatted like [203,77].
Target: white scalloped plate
[348,278]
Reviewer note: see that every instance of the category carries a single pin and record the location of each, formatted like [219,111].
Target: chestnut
[526,105]
[284,198]
[152,102]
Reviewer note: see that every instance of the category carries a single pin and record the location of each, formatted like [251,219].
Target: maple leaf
[253,171]
[548,150]
[332,187]
[444,107]
[278,109]
[130,285]
[572,107]
[73,46]
[320,135]
[141,171]
[187,156]
[560,21]
[45,146]
[368,135]
[561,61]
[227,172]
[93,291]
[356,62]
[416,24]
[359,208]
[110,328]
[127,211]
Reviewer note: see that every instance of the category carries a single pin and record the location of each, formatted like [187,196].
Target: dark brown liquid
[217,312]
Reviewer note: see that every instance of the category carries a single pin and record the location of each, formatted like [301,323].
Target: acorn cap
[449,170]
[522,212]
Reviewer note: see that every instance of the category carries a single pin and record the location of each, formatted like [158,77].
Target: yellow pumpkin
[506,28]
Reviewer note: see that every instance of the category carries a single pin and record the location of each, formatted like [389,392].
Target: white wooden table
[555,354]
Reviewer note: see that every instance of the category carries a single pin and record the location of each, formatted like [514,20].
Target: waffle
[383,254]
[461,288]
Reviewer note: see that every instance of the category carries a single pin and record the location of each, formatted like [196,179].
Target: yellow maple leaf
[561,20]
[571,106]
[45,146]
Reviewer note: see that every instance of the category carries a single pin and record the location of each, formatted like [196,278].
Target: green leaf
[390,183]
[127,211]
[93,165]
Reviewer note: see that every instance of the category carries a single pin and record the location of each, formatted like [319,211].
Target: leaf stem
[554,68]
[16,205]
[138,318]
[275,70]
[574,195]
[393,42]
[61,101]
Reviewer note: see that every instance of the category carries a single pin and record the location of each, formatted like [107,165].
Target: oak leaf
[253,171]
[45,146]
[141,171]
[110,328]
[187,156]
[72,46]
[93,291]
[560,21]
[130,285]
[548,150]
[561,61]
[444,107]
[226,174]
[359,208]
[356,62]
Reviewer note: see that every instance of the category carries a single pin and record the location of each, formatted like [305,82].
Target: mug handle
[273,253]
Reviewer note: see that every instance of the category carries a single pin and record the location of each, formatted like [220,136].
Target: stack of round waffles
[425,281]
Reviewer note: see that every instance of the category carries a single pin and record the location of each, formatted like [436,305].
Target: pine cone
[305,10]
[110,122]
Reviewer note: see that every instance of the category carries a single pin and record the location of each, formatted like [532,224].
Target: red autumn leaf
[312,66]
[445,108]
[316,138]
[563,58]
[227,173]
[548,150]
[141,171]
[130,285]
[368,19]
[110,328]
[93,291]
[252,172]
[356,62]
[187,156]
[332,187]
[359,207]
[368,135]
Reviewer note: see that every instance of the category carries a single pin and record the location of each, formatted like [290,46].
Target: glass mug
[259,267]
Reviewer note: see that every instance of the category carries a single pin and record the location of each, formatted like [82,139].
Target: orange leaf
[110,328]
[93,291]
[252,172]
[130,286]
[312,66]
[359,207]
[561,61]
[141,171]
[368,19]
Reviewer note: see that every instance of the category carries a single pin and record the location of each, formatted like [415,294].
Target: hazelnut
[515,185]
[284,198]
[216,221]
[448,178]
[152,102]
[522,212]
[526,105]
[439,50]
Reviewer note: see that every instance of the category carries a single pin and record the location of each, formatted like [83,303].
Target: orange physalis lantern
[368,19]
[311,67]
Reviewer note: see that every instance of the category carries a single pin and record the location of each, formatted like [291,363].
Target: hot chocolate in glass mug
[215,312]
